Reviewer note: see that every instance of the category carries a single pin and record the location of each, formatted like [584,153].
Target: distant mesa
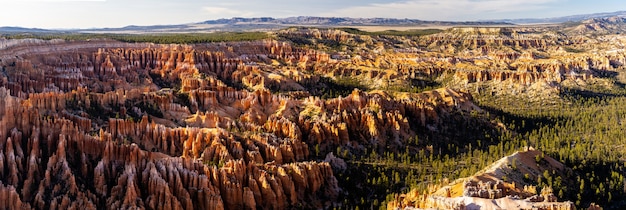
[340,21]
[22,30]
[571,18]
[258,24]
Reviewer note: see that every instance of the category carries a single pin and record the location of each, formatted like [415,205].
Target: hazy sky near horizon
[119,13]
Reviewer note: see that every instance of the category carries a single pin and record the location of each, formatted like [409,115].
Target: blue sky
[118,13]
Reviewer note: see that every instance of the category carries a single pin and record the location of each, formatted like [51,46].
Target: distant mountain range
[269,23]
[23,30]
[258,24]
[340,21]
[571,18]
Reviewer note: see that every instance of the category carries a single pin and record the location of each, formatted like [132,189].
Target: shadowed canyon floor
[312,119]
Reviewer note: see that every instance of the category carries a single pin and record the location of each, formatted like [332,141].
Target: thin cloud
[442,9]
[55,1]
[227,12]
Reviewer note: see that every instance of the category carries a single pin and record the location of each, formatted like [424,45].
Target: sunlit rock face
[489,189]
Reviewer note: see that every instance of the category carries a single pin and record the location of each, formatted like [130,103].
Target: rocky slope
[506,184]
[606,25]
